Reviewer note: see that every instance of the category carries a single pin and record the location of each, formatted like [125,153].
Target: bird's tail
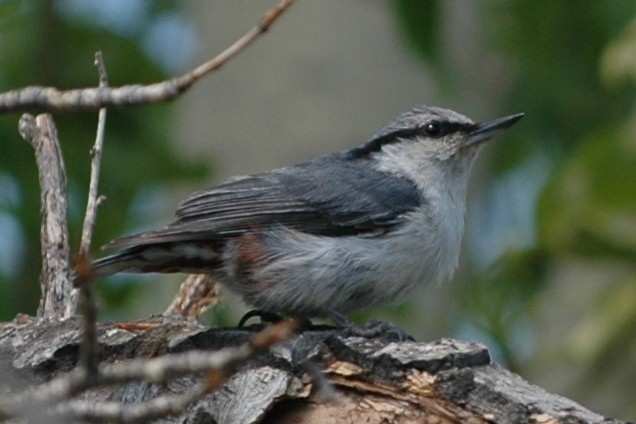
[161,258]
[129,260]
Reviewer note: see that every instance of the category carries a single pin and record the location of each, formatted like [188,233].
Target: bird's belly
[307,275]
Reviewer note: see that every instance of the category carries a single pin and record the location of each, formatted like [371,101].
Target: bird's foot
[267,317]
[372,329]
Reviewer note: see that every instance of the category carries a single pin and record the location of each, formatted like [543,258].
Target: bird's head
[428,143]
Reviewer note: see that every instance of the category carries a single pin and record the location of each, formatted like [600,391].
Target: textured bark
[55,281]
[372,380]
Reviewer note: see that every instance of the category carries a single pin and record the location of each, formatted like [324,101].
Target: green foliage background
[573,66]
[41,46]
[560,310]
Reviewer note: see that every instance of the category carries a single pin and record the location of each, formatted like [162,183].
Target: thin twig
[54,279]
[248,38]
[50,98]
[118,412]
[93,200]
[88,352]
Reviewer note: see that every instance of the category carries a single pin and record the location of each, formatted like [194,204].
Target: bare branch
[197,294]
[50,98]
[117,412]
[88,357]
[239,45]
[96,153]
[54,279]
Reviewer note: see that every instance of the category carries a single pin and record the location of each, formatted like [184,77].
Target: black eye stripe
[375,144]
[445,127]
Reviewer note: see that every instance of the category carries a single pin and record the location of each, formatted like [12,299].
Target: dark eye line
[375,144]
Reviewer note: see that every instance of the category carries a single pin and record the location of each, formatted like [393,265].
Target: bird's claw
[374,328]
[265,316]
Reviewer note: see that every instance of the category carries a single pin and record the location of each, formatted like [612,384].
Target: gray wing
[332,195]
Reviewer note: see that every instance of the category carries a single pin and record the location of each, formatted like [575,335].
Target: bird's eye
[433,129]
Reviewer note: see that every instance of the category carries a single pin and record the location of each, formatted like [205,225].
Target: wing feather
[330,195]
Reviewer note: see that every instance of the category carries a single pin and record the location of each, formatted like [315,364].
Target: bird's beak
[486,130]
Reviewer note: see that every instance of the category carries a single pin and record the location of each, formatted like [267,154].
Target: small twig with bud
[94,200]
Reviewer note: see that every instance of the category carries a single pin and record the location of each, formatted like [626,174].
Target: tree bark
[358,379]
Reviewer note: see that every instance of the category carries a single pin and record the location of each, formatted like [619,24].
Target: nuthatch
[334,234]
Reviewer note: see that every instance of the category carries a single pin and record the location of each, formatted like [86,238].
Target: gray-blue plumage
[301,197]
[333,234]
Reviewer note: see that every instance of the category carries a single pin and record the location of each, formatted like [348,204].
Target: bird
[332,235]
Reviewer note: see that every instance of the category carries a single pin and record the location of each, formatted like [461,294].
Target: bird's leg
[374,328]
[265,316]
[269,318]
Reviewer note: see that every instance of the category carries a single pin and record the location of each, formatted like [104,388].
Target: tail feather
[162,258]
[125,261]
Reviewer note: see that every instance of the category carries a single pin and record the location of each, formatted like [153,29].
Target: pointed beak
[486,130]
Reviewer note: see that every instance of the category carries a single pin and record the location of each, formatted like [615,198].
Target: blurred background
[548,271]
